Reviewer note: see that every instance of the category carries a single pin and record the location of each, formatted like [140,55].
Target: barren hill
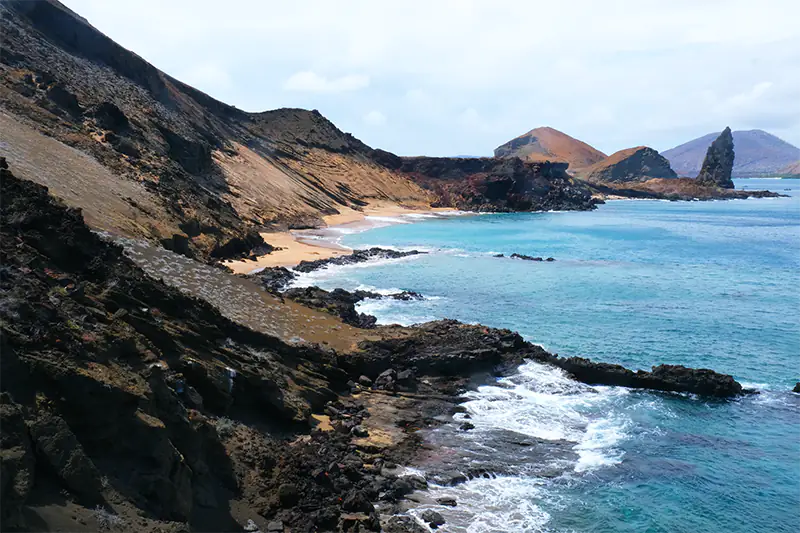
[548,144]
[757,153]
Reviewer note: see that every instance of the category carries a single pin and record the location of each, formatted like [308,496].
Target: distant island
[758,153]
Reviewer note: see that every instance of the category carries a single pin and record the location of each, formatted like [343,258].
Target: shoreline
[295,246]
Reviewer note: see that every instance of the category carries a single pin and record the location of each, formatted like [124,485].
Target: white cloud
[312,82]
[375,118]
[744,99]
[207,77]
[615,74]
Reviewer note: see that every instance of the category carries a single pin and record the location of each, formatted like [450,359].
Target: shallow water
[705,284]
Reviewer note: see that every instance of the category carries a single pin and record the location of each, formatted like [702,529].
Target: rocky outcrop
[633,164]
[718,164]
[670,378]
[276,279]
[341,303]
[358,256]
[337,302]
[488,184]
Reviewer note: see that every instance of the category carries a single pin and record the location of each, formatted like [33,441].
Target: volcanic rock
[502,185]
[433,518]
[337,302]
[358,256]
[718,164]
[633,164]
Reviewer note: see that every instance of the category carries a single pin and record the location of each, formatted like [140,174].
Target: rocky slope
[548,144]
[163,158]
[758,153]
[633,164]
[494,184]
[718,164]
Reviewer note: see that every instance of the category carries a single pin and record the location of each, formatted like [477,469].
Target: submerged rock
[718,164]
[526,257]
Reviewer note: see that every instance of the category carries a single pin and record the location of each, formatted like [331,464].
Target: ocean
[703,284]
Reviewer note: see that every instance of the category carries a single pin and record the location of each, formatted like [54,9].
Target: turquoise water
[704,284]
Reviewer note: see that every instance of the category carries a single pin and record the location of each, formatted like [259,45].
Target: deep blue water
[704,284]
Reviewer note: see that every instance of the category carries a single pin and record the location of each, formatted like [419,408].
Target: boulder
[433,518]
[357,501]
[387,380]
[718,164]
[57,446]
[17,465]
[403,524]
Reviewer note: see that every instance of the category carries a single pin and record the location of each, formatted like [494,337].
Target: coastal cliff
[492,184]
[139,407]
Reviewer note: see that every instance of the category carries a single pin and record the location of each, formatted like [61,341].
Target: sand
[301,245]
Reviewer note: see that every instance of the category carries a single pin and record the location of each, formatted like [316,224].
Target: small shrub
[225,427]
[106,521]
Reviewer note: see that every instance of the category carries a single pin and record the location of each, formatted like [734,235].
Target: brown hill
[548,144]
[632,164]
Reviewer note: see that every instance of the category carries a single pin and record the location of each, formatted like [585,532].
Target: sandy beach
[307,245]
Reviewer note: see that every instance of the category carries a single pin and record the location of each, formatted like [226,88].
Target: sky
[446,77]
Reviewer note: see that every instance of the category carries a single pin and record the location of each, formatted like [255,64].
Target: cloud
[209,77]
[312,82]
[646,72]
[375,118]
[744,99]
